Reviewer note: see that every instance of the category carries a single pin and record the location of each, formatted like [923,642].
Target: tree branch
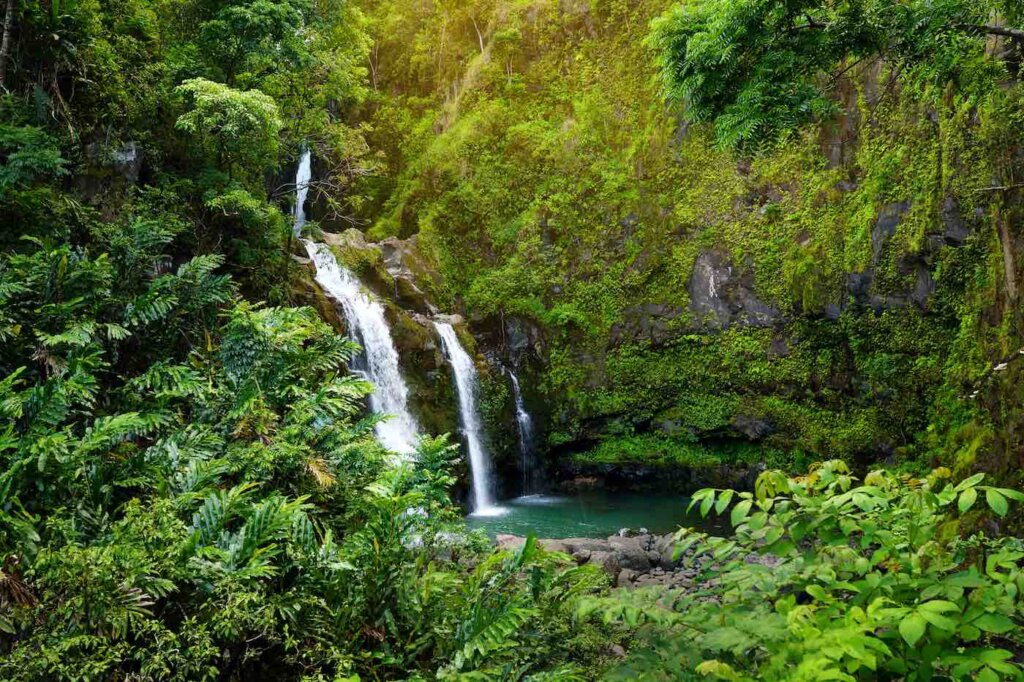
[1014,33]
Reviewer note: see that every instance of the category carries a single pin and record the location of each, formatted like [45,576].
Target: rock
[754,428]
[555,546]
[626,577]
[923,288]
[719,298]
[629,554]
[645,322]
[410,270]
[581,556]
[606,561]
[503,542]
[665,547]
[889,219]
[711,273]
[576,544]
[616,651]
[779,348]
[128,160]
[954,230]
[580,483]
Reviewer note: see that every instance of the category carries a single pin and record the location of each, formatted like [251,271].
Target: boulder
[626,577]
[503,542]
[606,561]
[629,554]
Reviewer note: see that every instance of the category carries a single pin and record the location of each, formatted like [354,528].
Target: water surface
[596,514]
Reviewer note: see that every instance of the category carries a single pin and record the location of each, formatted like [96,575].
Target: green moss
[656,450]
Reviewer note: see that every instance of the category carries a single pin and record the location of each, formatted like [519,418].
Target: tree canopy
[758,69]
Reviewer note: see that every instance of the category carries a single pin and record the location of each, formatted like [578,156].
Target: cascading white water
[369,328]
[466,386]
[525,424]
[303,174]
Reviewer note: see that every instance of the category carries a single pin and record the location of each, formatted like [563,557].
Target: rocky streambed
[631,560]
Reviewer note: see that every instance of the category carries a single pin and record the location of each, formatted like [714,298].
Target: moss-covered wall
[842,296]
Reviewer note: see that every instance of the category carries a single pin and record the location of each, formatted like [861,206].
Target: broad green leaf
[818,592]
[994,622]
[970,482]
[996,501]
[1012,494]
[723,501]
[740,511]
[939,621]
[991,656]
[938,606]
[912,628]
[705,505]
[967,499]
[988,675]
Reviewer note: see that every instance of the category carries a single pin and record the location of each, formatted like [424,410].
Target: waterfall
[525,425]
[369,328]
[466,386]
[302,177]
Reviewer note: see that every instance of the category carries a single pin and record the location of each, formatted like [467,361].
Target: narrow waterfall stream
[303,174]
[367,326]
[466,386]
[525,424]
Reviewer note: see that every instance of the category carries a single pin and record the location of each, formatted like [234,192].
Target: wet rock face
[889,219]
[571,476]
[915,268]
[409,269]
[955,229]
[720,297]
[648,321]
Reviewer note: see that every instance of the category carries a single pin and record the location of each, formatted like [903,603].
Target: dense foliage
[189,484]
[828,578]
[190,488]
[761,69]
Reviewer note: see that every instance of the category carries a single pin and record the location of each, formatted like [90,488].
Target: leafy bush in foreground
[189,490]
[826,579]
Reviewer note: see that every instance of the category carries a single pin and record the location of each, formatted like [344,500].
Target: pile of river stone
[632,560]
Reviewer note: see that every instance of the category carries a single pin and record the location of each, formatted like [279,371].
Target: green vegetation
[826,579]
[759,69]
[809,252]
[528,147]
[662,450]
[189,484]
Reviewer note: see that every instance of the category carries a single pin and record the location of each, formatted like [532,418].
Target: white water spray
[525,424]
[302,177]
[466,386]
[369,328]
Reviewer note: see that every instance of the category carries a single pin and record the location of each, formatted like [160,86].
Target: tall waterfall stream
[466,383]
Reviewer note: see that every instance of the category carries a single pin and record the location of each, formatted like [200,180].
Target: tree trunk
[1009,263]
[5,45]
